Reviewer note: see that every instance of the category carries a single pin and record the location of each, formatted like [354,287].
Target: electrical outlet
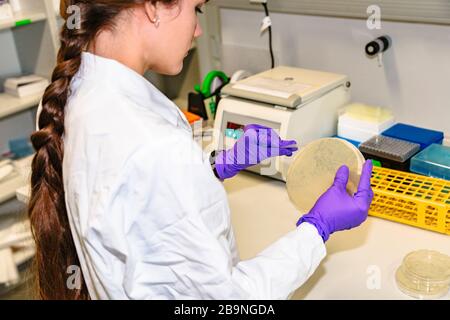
[258,1]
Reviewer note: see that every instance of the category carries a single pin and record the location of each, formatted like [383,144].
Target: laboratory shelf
[23,18]
[9,186]
[24,255]
[10,105]
[16,232]
[23,193]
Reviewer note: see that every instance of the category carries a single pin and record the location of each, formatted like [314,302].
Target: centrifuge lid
[285,86]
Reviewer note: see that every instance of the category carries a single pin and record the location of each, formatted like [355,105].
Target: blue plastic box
[20,147]
[433,161]
[424,137]
[353,142]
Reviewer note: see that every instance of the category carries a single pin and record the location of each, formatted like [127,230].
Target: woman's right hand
[336,210]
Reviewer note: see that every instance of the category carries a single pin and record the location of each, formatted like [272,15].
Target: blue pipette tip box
[20,147]
[422,136]
[433,161]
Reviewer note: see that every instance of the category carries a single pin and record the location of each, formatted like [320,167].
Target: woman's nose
[198,30]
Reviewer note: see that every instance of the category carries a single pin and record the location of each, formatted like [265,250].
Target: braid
[55,249]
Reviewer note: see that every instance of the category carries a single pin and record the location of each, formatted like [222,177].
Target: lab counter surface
[360,263]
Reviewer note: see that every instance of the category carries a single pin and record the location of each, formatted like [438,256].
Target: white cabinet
[28,45]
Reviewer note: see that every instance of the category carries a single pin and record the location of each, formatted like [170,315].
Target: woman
[134,202]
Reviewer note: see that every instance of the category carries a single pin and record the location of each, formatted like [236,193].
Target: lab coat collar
[133,85]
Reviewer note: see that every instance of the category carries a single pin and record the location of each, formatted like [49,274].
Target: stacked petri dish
[424,274]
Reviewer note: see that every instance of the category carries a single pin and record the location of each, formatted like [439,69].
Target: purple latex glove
[255,145]
[336,210]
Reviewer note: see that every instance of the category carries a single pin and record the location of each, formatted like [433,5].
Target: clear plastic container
[424,274]
[433,161]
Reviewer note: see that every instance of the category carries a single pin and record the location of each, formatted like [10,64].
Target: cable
[266,10]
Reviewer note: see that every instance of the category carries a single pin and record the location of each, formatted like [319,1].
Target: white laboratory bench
[360,263]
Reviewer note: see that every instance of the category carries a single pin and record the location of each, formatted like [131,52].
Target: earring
[157,21]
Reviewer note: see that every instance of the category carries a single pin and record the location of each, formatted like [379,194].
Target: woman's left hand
[257,144]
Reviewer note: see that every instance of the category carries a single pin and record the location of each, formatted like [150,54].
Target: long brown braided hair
[55,249]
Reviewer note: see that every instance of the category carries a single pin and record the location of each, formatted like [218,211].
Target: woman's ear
[151,12]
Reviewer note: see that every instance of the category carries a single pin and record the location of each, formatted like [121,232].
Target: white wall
[415,79]
[9,62]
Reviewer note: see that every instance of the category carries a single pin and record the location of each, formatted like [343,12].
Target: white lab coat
[148,217]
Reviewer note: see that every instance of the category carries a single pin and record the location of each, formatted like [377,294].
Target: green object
[376,163]
[212,106]
[205,88]
[23,22]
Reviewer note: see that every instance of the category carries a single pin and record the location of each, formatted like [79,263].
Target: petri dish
[313,169]
[424,274]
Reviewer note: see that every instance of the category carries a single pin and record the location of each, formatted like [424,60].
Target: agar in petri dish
[424,274]
[313,169]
